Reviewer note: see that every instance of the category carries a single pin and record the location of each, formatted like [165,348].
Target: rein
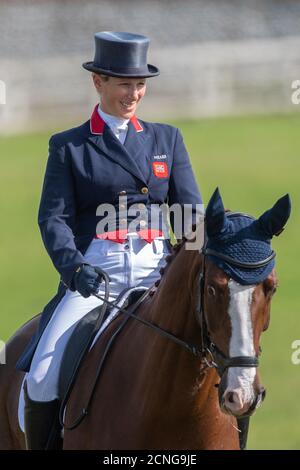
[211,355]
[189,347]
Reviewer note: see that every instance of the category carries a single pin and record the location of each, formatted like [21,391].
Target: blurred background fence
[217,57]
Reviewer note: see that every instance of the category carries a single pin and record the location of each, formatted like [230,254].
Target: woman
[111,164]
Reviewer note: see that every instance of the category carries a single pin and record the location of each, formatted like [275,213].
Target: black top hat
[121,55]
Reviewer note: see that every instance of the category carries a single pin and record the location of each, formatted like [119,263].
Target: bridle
[215,357]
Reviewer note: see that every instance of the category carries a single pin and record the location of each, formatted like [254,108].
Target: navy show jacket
[88,166]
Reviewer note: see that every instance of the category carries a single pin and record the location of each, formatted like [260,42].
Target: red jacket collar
[97,124]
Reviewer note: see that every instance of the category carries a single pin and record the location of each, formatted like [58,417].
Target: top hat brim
[152,71]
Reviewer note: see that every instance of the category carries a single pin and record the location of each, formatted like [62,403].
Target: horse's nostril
[263,393]
[233,400]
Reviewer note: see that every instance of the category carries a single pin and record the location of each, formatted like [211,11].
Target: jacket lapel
[125,155]
[136,146]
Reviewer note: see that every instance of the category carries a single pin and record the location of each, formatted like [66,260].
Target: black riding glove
[87,280]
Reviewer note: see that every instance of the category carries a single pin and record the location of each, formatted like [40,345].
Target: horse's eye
[211,290]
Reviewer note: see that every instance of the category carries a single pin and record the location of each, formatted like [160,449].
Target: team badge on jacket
[160,169]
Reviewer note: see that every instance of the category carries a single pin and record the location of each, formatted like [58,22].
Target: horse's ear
[273,220]
[215,216]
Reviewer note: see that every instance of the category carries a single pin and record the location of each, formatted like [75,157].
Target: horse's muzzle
[231,402]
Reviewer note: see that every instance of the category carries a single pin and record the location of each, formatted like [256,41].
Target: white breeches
[133,263]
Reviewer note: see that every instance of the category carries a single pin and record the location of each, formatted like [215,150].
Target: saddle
[84,337]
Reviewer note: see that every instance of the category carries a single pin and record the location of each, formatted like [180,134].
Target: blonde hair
[105,78]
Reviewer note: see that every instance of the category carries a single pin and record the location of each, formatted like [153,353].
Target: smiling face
[236,316]
[119,96]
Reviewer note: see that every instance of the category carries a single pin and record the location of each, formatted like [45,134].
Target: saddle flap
[84,337]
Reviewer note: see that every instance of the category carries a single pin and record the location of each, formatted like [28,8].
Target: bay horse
[182,380]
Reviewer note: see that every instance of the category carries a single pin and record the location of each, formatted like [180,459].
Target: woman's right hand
[86,280]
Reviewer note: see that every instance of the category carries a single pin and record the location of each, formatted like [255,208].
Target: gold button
[122,193]
[143,223]
[122,206]
[142,206]
[123,221]
[144,190]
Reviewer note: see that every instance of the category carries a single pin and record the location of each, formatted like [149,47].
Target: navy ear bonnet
[243,238]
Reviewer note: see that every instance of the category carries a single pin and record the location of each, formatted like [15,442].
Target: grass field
[254,161]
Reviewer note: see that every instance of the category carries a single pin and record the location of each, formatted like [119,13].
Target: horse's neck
[175,301]
[173,309]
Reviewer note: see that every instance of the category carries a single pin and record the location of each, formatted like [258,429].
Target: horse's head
[238,281]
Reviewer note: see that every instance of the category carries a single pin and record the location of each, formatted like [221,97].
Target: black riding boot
[243,425]
[42,428]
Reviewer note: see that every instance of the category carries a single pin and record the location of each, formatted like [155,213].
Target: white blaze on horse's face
[240,380]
